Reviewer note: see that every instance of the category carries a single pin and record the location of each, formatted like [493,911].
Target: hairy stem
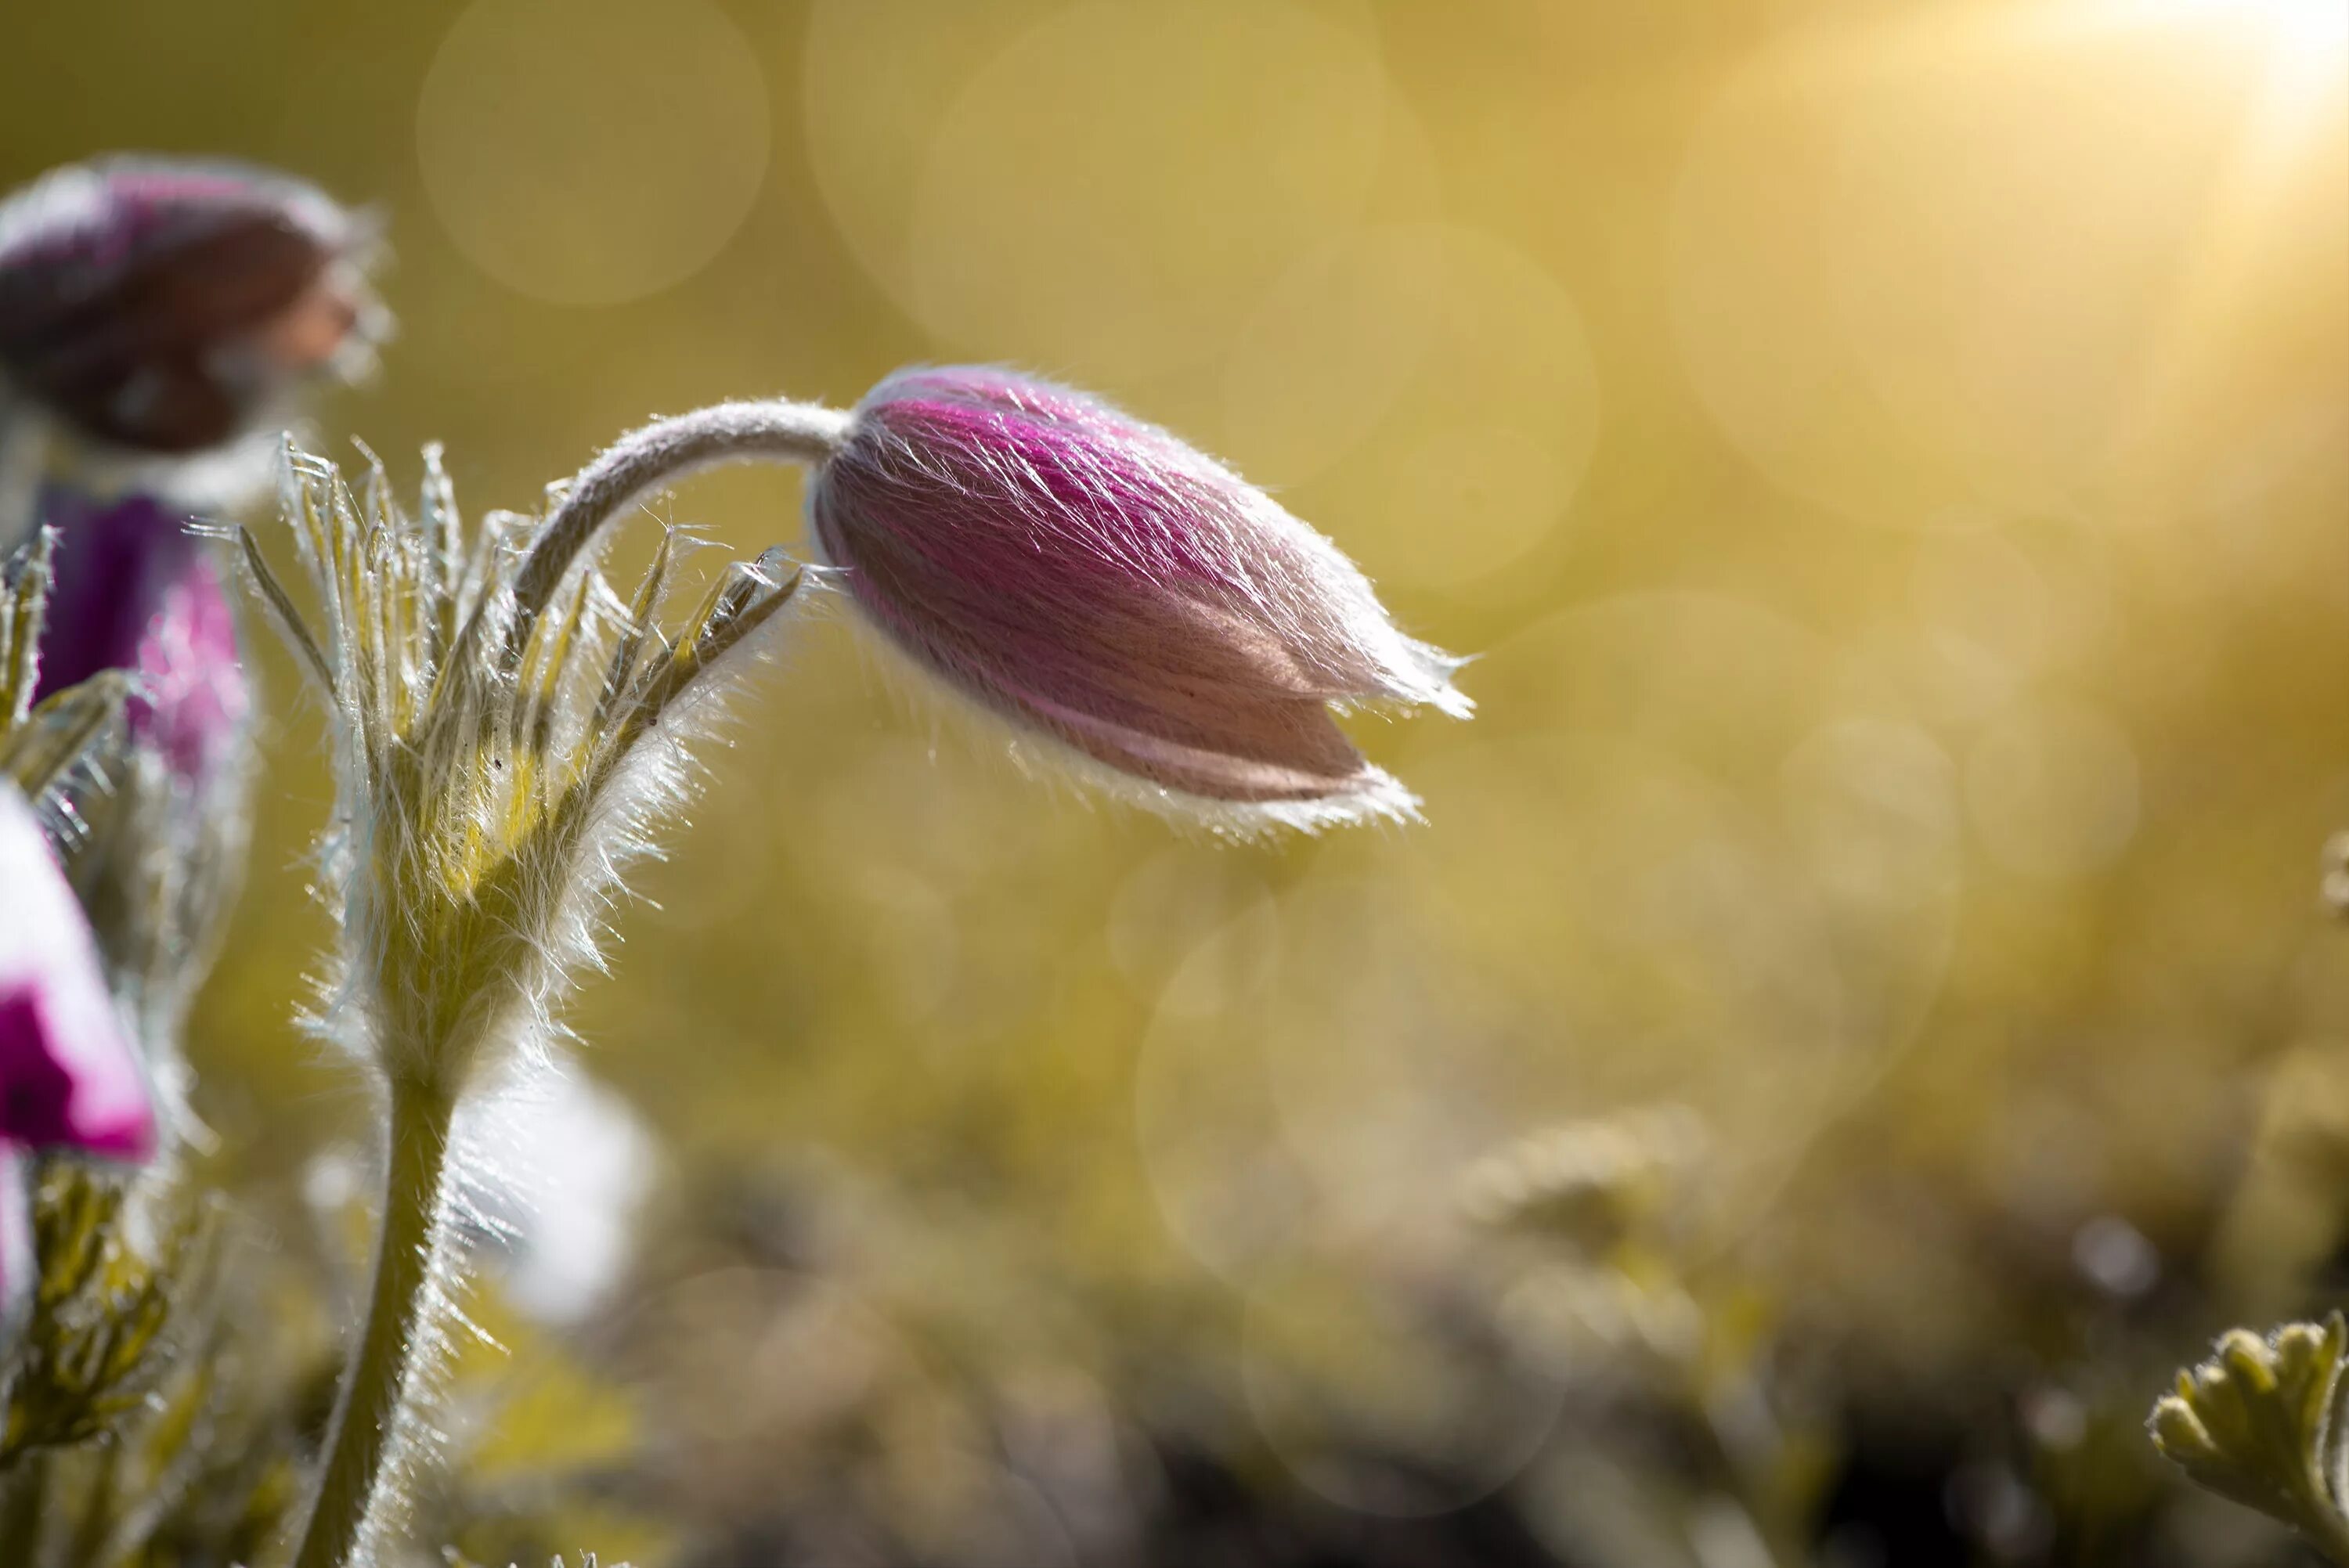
[401,1329]
[659,456]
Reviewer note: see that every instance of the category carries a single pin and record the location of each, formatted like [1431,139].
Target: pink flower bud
[1105,586]
[69,1077]
[167,307]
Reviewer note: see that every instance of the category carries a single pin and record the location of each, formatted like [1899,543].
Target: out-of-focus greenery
[1894,462]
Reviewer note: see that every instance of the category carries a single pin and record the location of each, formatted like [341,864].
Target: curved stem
[660,455]
[398,1333]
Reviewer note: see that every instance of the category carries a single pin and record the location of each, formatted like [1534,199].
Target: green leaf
[2260,1423]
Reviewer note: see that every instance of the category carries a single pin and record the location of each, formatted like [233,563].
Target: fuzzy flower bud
[168,306]
[1118,595]
[1591,1185]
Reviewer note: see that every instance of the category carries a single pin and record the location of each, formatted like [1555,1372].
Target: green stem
[2322,1523]
[397,1332]
[1742,1477]
[22,1487]
[97,1508]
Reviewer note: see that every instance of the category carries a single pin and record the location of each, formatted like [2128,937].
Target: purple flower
[69,1077]
[134,590]
[1105,586]
[168,306]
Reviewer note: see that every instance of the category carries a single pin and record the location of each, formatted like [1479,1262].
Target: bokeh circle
[589,152]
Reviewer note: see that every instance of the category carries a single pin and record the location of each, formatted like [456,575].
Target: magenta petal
[135,590]
[193,699]
[69,1075]
[115,563]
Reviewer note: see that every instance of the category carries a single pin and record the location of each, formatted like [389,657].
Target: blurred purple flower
[168,306]
[1104,585]
[69,1077]
[134,590]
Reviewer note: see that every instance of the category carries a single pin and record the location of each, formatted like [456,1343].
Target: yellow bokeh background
[1892,464]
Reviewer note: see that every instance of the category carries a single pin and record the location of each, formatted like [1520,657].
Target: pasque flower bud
[1111,590]
[167,307]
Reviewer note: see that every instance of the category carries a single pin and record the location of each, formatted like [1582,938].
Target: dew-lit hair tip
[1159,622]
[69,1077]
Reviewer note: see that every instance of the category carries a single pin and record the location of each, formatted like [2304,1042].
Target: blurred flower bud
[69,1075]
[1563,1314]
[169,306]
[1108,588]
[1591,1185]
[136,606]
[135,591]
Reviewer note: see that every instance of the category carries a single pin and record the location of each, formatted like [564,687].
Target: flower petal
[135,590]
[69,1075]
